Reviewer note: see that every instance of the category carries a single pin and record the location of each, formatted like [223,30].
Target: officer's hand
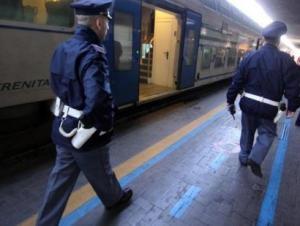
[86,122]
[290,114]
[231,108]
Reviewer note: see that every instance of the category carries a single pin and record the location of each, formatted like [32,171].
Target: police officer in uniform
[263,76]
[84,106]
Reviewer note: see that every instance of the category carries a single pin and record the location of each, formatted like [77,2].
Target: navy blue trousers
[94,164]
[266,130]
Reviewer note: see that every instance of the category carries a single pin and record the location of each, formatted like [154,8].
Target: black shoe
[124,200]
[255,168]
[243,163]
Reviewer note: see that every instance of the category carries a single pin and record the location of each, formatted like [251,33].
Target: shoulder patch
[99,49]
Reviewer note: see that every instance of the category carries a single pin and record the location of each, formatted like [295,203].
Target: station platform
[184,170]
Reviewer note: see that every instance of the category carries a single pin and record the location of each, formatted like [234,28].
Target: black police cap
[274,30]
[92,7]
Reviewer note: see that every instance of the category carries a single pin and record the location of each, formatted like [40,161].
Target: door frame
[180,11]
[120,80]
[182,84]
[164,4]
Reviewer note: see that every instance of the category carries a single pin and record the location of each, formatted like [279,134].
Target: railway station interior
[175,144]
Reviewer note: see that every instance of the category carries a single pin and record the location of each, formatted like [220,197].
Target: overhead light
[256,12]
[253,10]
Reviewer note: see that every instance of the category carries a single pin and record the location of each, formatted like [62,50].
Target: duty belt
[79,135]
[71,112]
[59,107]
[261,99]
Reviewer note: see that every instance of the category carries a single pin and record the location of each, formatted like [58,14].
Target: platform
[183,170]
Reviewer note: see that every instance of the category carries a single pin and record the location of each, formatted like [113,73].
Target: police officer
[263,76]
[80,80]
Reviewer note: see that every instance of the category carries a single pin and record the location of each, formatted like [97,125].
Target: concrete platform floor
[182,165]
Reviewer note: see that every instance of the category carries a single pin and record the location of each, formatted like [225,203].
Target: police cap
[274,30]
[92,7]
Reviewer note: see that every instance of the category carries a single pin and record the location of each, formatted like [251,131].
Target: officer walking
[264,76]
[84,106]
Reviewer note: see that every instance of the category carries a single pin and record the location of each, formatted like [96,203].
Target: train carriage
[156,48]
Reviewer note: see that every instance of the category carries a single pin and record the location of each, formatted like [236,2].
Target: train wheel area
[185,173]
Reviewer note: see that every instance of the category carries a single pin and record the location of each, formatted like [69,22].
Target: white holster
[79,135]
[82,136]
[278,116]
[64,133]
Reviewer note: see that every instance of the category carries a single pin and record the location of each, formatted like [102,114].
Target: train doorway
[160,45]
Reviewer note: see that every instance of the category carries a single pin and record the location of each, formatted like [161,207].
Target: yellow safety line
[86,192]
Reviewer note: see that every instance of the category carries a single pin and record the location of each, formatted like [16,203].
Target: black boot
[242,162]
[124,200]
[255,168]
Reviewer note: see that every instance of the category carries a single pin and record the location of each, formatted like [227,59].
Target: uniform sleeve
[94,91]
[292,86]
[237,84]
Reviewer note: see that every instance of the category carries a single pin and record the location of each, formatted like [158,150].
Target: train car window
[189,49]
[49,12]
[123,29]
[232,54]
[220,57]
[206,58]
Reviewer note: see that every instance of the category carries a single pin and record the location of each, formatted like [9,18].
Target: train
[156,49]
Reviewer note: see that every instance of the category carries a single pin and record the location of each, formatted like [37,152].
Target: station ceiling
[287,11]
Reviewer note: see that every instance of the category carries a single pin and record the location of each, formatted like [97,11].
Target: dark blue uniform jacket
[80,77]
[266,72]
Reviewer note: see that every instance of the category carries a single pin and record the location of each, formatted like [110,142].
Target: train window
[189,48]
[123,29]
[220,57]
[49,12]
[232,54]
[206,58]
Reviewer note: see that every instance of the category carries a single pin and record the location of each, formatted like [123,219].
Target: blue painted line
[180,207]
[217,162]
[269,205]
[81,211]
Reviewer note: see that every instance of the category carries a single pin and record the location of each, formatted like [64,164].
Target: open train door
[123,45]
[193,23]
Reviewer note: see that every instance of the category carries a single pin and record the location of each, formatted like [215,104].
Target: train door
[193,24]
[160,45]
[165,49]
[123,50]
